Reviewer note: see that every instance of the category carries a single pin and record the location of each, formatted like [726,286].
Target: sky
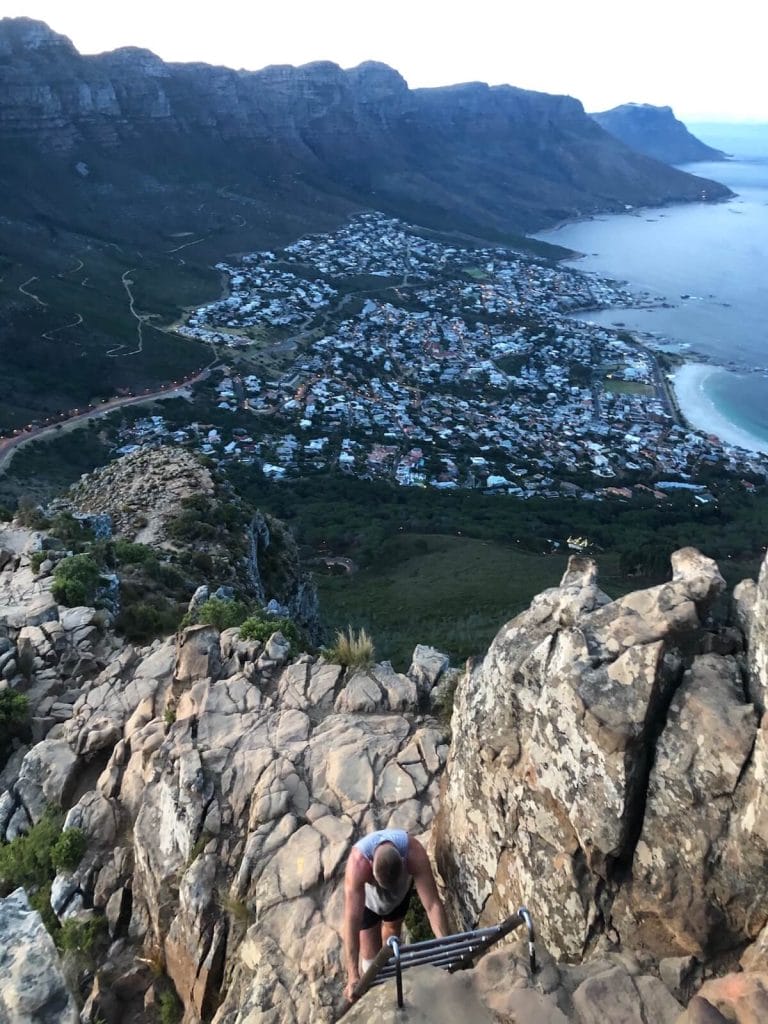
[704,60]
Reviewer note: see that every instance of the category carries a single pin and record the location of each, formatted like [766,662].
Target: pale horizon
[667,55]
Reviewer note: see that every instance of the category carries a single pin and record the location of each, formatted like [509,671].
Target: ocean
[709,263]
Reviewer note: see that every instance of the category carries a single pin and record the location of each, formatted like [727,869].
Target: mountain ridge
[120,168]
[655,132]
[312,111]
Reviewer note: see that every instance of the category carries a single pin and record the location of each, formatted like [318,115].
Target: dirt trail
[31,295]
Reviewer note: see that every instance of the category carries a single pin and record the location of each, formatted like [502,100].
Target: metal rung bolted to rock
[452,953]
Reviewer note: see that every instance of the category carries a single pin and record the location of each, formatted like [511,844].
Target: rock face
[144,493]
[220,786]
[607,771]
[607,768]
[753,610]
[354,134]
[656,132]
[33,986]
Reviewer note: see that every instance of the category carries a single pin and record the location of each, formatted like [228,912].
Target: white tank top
[377,899]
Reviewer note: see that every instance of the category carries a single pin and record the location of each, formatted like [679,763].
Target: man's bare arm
[354,905]
[426,887]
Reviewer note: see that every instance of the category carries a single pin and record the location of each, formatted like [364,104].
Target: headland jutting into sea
[705,262]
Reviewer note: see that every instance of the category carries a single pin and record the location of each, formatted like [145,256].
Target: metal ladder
[452,953]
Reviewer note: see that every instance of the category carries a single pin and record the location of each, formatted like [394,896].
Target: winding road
[10,445]
[75,323]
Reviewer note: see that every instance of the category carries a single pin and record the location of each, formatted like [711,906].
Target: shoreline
[700,411]
[633,211]
[685,390]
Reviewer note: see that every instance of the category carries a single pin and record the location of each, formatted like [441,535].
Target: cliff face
[618,752]
[607,767]
[496,159]
[656,132]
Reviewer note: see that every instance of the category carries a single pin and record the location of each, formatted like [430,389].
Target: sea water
[709,264]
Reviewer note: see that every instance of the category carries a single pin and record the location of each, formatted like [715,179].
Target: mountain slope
[360,133]
[124,179]
[656,132]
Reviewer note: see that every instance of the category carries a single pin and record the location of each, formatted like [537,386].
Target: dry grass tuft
[353,650]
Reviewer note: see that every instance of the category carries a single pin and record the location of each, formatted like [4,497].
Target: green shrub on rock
[169,1008]
[255,628]
[129,553]
[30,514]
[26,861]
[36,559]
[76,936]
[68,850]
[76,580]
[221,614]
[144,621]
[14,716]
[31,862]
[71,531]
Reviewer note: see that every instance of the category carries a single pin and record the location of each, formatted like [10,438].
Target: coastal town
[436,365]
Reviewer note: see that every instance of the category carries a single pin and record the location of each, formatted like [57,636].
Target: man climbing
[381,872]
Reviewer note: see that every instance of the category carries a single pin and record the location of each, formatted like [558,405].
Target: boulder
[47,776]
[734,999]
[33,986]
[74,619]
[198,655]
[401,692]
[34,610]
[361,693]
[427,667]
[199,598]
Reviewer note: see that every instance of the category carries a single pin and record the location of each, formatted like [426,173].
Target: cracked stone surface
[598,732]
[608,767]
[33,986]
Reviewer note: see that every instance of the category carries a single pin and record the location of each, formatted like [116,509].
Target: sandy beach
[701,412]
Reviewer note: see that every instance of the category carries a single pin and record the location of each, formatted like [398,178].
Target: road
[10,445]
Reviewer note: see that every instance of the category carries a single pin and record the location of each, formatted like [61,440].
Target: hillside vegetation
[118,168]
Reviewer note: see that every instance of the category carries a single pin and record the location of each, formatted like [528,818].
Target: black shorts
[371,918]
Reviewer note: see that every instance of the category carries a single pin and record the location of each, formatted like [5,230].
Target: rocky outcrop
[735,999]
[143,492]
[656,132]
[33,986]
[607,771]
[611,989]
[606,768]
[220,786]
